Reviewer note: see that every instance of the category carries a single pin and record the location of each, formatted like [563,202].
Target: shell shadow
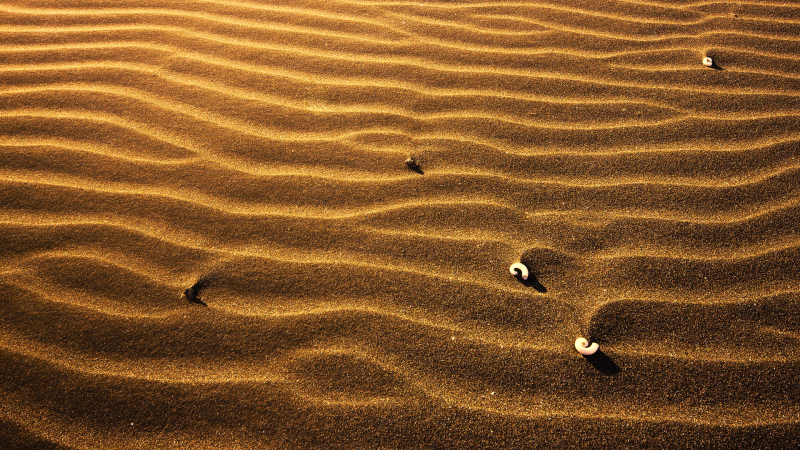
[532,282]
[603,363]
[714,64]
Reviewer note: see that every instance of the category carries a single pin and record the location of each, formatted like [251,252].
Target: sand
[254,153]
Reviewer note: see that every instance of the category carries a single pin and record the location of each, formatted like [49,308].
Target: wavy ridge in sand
[256,152]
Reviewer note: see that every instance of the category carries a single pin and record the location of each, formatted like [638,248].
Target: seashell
[708,62]
[523,271]
[583,347]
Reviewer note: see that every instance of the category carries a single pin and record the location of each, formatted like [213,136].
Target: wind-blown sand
[255,152]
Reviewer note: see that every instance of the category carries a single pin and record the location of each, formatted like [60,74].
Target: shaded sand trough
[257,150]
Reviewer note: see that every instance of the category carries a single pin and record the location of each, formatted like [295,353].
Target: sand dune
[254,153]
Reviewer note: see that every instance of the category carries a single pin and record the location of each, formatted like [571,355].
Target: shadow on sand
[603,363]
[532,282]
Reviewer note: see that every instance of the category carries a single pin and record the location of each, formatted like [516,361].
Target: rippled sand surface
[254,153]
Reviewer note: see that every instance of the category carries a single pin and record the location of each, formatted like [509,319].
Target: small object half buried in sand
[583,347]
[708,62]
[519,267]
[412,162]
[191,295]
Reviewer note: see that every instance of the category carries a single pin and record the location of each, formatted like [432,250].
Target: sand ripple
[255,151]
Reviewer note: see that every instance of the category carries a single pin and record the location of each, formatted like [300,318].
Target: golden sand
[338,298]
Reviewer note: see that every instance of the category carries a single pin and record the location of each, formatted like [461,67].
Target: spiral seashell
[708,62]
[583,347]
[523,271]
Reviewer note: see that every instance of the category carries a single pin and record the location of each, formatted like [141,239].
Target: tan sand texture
[253,153]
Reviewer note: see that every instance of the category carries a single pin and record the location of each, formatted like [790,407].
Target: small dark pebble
[191,295]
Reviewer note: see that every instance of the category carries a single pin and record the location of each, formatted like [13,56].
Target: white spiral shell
[583,347]
[523,271]
[708,62]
